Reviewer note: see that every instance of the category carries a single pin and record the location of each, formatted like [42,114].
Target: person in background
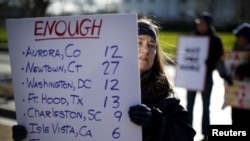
[160,115]
[204,27]
[240,117]
[242,34]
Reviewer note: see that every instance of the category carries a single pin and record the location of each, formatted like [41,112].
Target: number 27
[108,64]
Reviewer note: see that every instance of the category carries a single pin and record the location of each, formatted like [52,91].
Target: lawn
[168,40]
[3,35]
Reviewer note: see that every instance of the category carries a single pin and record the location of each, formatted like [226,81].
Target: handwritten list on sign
[75,77]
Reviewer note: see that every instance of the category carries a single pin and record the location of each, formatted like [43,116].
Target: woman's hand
[140,115]
[19,132]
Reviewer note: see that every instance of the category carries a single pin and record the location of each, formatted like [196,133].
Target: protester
[204,27]
[240,117]
[161,116]
[242,34]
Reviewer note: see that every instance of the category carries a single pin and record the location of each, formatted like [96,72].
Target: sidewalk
[5,128]
[7,105]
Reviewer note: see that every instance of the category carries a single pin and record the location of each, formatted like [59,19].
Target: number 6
[115,133]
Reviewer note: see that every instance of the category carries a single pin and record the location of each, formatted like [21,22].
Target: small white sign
[192,53]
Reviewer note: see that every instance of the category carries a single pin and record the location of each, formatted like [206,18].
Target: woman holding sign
[240,116]
[161,116]
[204,27]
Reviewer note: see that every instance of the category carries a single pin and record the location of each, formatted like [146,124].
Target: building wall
[225,12]
[145,7]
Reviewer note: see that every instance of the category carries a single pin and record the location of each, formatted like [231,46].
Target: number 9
[118,115]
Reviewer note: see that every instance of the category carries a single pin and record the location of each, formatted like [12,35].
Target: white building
[162,9]
[225,12]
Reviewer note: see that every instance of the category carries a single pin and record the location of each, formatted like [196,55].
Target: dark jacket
[215,51]
[170,121]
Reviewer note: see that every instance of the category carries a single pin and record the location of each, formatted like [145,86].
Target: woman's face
[147,51]
[241,41]
[202,26]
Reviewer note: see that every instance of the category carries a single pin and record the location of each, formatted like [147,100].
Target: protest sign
[75,77]
[191,55]
[238,94]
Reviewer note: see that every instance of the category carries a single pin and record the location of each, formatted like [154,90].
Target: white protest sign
[237,94]
[75,77]
[192,53]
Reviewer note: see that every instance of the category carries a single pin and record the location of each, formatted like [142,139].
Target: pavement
[7,104]
[217,114]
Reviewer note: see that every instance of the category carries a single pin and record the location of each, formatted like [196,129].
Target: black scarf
[145,77]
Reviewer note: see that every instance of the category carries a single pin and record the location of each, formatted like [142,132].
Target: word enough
[56,29]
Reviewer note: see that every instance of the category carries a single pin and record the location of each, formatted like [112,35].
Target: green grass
[3,34]
[228,39]
[168,41]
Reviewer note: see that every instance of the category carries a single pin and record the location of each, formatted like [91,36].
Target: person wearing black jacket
[204,27]
[161,116]
[240,116]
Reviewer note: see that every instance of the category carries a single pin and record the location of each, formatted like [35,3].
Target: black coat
[215,50]
[171,120]
[215,53]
